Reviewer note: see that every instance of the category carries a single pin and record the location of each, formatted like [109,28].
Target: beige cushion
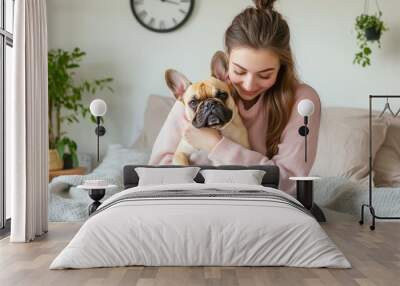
[156,112]
[343,143]
[387,159]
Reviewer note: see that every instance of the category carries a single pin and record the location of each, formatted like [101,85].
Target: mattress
[201,225]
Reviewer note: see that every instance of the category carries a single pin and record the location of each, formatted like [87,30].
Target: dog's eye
[193,103]
[222,95]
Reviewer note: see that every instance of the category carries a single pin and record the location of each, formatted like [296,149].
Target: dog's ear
[219,66]
[176,82]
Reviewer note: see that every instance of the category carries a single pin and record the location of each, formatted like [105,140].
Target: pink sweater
[289,159]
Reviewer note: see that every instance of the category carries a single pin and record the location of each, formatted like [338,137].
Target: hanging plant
[369,29]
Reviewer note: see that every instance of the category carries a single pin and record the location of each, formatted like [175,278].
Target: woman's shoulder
[304,91]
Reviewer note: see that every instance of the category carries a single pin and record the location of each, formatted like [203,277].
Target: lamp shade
[305,107]
[98,107]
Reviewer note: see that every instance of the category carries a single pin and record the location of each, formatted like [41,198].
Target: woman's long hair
[262,27]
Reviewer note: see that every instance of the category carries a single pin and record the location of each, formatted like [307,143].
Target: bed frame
[270,179]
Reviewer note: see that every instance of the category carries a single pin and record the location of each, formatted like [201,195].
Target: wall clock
[162,16]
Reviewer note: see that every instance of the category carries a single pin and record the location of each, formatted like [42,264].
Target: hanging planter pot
[372,34]
[369,29]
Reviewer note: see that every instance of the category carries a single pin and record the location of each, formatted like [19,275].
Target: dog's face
[208,103]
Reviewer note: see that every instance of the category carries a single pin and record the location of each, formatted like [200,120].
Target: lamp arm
[305,137]
[98,137]
[305,147]
[100,131]
[303,131]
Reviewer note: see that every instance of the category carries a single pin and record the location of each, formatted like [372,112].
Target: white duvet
[183,231]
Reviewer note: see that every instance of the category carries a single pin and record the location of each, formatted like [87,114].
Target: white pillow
[163,176]
[248,177]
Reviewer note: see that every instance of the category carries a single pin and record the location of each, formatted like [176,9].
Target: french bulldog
[208,103]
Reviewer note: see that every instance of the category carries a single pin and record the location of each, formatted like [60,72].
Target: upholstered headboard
[270,179]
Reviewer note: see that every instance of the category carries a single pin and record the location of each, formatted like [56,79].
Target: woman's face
[252,71]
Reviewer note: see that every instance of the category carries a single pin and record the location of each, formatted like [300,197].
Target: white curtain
[28,123]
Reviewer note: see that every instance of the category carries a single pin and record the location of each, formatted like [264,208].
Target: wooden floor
[374,255]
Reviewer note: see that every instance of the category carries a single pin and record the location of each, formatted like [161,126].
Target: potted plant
[70,159]
[369,29]
[65,103]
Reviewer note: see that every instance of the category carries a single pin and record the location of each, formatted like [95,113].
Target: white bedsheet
[200,231]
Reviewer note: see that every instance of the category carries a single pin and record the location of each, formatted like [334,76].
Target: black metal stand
[303,131]
[96,195]
[304,190]
[100,131]
[370,205]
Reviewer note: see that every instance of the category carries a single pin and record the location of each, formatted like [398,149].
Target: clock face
[162,15]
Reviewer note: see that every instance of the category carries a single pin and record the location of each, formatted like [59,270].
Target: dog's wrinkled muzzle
[212,113]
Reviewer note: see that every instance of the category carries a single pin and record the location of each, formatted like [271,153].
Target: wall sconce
[98,108]
[305,108]
[304,185]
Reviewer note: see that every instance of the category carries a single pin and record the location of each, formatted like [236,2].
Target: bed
[343,187]
[201,224]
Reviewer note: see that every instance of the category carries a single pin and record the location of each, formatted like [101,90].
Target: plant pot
[68,162]
[55,162]
[372,34]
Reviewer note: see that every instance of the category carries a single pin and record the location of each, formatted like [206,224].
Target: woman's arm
[290,157]
[170,134]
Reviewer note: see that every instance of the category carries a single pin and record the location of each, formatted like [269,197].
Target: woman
[261,70]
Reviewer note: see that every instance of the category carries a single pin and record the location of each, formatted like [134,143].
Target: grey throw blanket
[342,195]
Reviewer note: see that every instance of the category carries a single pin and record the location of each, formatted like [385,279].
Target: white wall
[323,41]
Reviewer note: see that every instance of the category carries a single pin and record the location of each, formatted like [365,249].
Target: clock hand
[169,1]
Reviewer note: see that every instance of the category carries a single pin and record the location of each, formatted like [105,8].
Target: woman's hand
[202,138]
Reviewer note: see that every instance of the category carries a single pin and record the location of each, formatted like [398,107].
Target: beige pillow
[343,143]
[387,159]
[157,110]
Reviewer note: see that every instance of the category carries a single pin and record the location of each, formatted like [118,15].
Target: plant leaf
[367,51]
